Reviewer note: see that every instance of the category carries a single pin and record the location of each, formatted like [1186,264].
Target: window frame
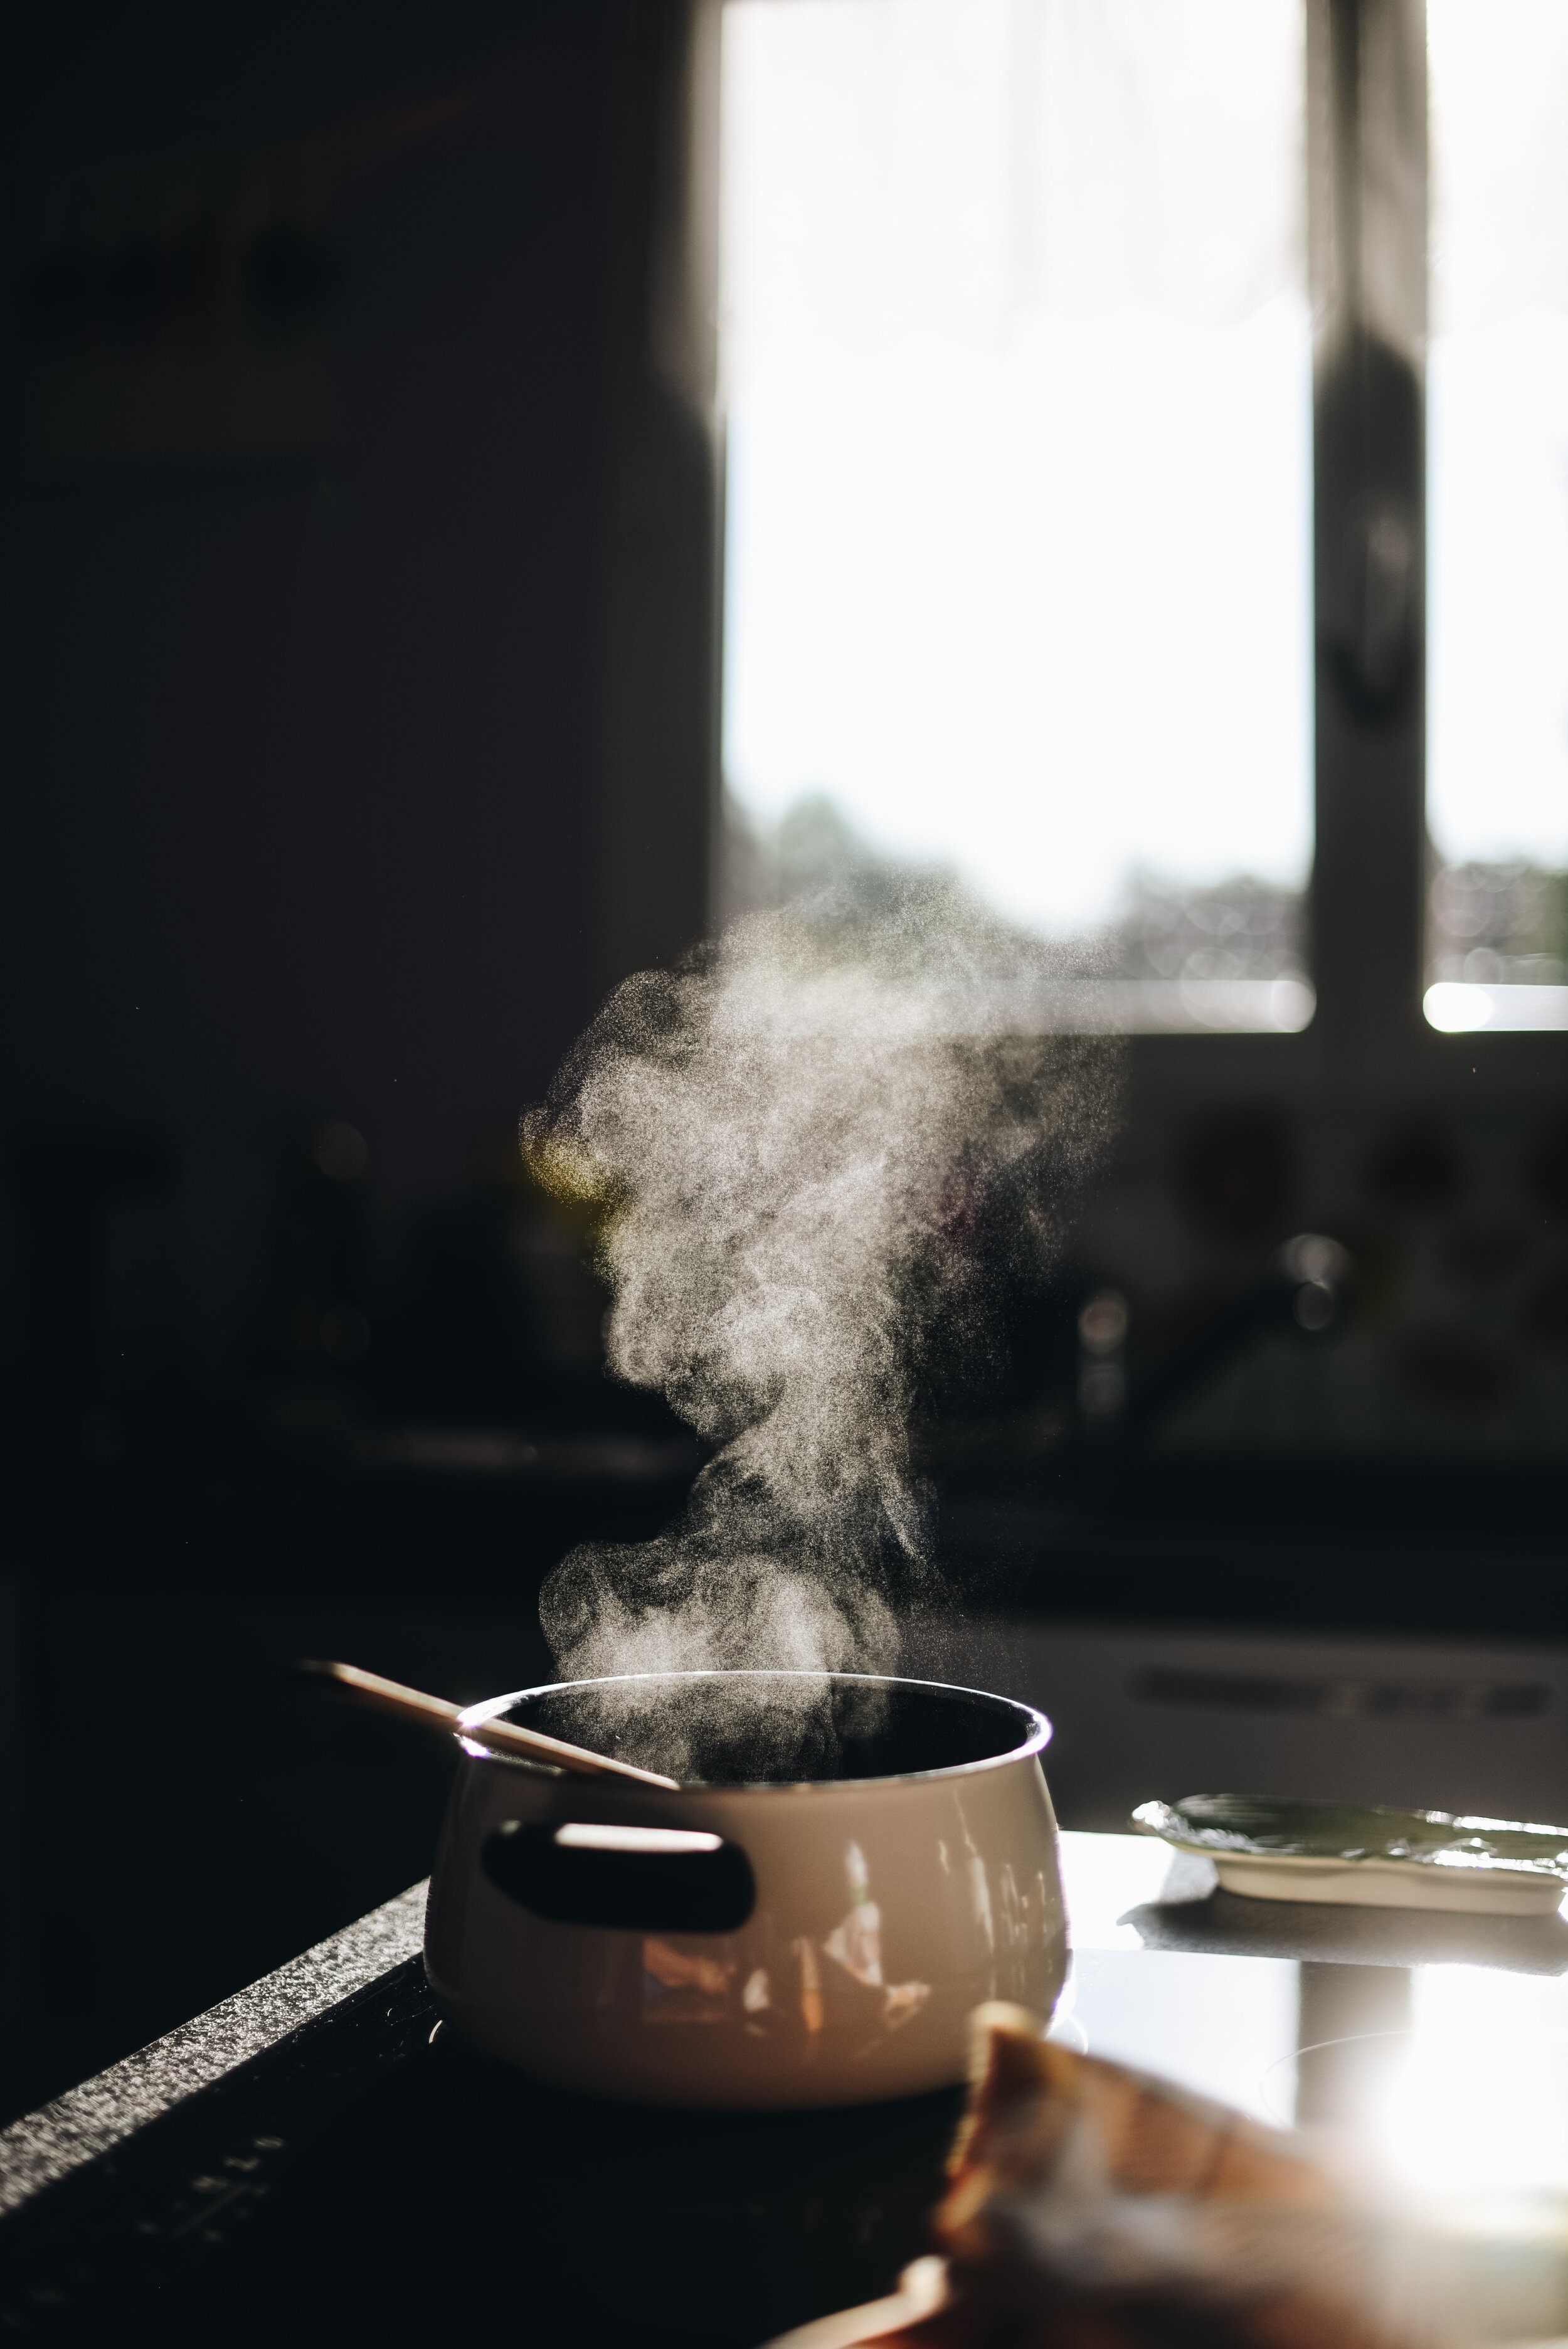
[1366,204]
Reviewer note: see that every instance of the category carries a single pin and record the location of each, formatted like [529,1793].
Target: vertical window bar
[1366,202]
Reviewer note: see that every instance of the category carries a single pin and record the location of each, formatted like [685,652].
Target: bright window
[1017,382]
[1497,791]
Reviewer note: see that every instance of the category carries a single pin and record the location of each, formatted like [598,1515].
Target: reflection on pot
[855,1944]
[681,1985]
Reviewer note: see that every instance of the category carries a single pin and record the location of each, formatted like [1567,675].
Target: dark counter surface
[88,2122]
[314,2159]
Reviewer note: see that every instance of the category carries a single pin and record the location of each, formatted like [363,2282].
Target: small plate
[1368,1857]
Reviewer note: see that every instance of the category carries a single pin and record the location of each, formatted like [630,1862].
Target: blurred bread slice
[1094,2207]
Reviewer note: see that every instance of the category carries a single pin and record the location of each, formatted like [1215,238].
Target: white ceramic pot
[814,1940]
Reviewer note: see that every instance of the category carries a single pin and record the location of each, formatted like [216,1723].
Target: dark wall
[327,331]
[356,651]
[300,736]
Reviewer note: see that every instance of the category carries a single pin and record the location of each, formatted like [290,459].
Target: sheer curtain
[1498,382]
[1015,359]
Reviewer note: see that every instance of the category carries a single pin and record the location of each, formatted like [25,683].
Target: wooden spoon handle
[496,1736]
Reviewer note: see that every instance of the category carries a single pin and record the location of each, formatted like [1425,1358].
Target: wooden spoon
[496,1736]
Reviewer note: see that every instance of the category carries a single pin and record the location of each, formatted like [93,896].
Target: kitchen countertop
[313,2159]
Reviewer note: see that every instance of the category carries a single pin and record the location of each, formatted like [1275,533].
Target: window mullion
[1366,126]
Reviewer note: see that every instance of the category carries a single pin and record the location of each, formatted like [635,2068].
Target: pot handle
[640,1879]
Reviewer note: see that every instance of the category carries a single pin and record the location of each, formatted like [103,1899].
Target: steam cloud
[797,1135]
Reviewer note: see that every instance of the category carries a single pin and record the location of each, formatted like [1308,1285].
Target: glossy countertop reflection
[1220,2024]
[1437,2045]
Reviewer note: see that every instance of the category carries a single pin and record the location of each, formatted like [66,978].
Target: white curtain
[1015,349]
[1496,407]
[960,166]
[1498,98]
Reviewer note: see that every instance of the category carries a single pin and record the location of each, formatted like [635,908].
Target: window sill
[1457,1009]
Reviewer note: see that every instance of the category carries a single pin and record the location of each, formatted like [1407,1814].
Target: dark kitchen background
[361,548]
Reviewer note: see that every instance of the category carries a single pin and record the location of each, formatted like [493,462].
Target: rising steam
[796,1136]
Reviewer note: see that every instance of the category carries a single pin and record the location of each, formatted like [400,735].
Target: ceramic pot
[811,1921]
